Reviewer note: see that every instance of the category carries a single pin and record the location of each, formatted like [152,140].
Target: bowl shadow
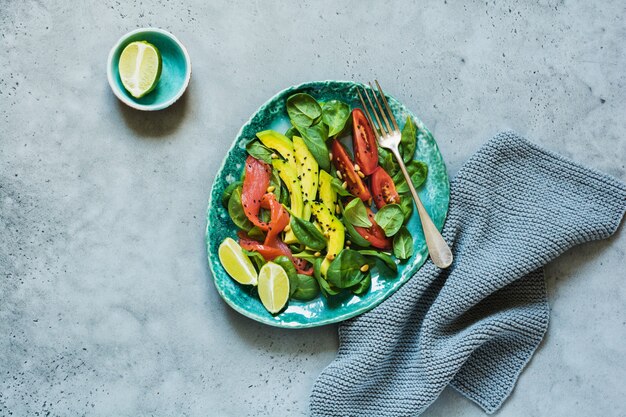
[155,124]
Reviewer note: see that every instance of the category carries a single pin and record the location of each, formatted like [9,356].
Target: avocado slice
[289,176]
[327,193]
[333,229]
[278,142]
[307,168]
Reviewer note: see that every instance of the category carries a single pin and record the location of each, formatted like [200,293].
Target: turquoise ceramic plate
[435,194]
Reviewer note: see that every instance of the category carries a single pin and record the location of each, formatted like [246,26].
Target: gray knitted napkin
[513,208]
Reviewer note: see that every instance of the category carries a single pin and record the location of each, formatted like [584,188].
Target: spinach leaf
[390,217]
[264,215]
[291,132]
[325,287]
[314,138]
[408,140]
[228,191]
[363,286]
[307,288]
[386,259]
[275,182]
[307,233]
[345,270]
[356,213]
[259,151]
[290,269]
[406,204]
[284,198]
[403,244]
[303,109]
[235,210]
[257,234]
[335,114]
[336,185]
[257,259]
[387,161]
[355,237]
[418,171]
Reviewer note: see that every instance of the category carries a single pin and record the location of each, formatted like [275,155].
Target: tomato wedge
[255,183]
[374,234]
[364,143]
[342,162]
[383,188]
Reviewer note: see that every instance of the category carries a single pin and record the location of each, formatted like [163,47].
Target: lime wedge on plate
[140,68]
[273,287]
[237,263]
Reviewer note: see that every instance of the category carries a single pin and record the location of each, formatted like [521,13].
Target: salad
[313,216]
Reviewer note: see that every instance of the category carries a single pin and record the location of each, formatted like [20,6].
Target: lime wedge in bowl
[140,68]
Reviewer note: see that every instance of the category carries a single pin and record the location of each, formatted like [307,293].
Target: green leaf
[403,244]
[291,132]
[356,213]
[314,138]
[387,161]
[290,269]
[335,183]
[335,114]
[235,210]
[363,286]
[284,198]
[303,109]
[390,217]
[259,151]
[307,288]
[385,258]
[406,204]
[325,287]
[307,233]
[355,237]
[408,140]
[257,259]
[228,191]
[345,270]
[418,171]
[257,234]
[275,181]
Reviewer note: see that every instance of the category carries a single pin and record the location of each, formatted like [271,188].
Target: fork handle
[438,249]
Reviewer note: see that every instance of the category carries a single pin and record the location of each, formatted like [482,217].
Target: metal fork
[389,138]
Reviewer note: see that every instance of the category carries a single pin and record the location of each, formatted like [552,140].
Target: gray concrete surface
[106,303]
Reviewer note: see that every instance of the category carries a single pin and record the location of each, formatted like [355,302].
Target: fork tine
[380,108]
[391,116]
[373,108]
[368,115]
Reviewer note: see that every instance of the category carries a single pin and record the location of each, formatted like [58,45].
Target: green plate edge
[435,195]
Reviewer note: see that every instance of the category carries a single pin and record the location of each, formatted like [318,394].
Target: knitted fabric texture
[513,208]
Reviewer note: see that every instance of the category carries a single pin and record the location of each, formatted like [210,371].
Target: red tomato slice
[255,183]
[374,234]
[364,143]
[342,162]
[383,188]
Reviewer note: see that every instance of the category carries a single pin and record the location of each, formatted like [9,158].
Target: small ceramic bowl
[175,74]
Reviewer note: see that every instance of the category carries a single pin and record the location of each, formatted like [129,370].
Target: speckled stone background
[106,302]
